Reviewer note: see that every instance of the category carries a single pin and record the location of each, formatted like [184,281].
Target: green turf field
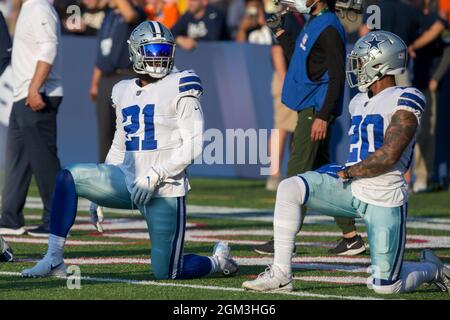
[123,251]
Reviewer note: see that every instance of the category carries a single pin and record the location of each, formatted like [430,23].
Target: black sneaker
[349,247]
[41,231]
[267,248]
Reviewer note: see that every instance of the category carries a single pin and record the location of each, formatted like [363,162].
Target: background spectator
[444,10]
[285,119]
[113,64]
[405,20]
[313,87]
[202,22]
[425,64]
[36,65]
[164,11]
[253,27]
[235,14]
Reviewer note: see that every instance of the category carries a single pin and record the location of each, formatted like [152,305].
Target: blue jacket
[300,92]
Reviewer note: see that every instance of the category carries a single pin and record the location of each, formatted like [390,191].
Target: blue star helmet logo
[374,43]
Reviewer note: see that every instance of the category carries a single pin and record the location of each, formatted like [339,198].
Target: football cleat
[221,253]
[45,268]
[6,253]
[272,279]
[443,279]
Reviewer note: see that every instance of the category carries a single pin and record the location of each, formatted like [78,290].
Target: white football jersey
[158,127]
[370,119]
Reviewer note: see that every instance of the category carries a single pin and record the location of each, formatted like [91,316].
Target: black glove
[275,22]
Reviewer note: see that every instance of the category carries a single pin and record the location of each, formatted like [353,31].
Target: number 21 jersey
[159,127]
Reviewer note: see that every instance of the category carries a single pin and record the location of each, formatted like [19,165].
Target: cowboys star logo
[374,43]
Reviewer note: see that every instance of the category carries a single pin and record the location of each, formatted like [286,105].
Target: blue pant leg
[166,220]
[102,184]
[386,230]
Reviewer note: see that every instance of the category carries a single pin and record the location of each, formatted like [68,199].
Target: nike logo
[349,246]
[283,285]
[52,267]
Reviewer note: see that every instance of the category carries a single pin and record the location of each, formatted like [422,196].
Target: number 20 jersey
[148,134]
[370,119]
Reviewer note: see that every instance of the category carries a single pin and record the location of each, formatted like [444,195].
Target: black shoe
[349,247]
[267,248]
[41,231]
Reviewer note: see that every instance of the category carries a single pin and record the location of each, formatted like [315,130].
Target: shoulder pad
[412,98]
[189,84]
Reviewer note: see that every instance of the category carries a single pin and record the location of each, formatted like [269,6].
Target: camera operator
[313,87]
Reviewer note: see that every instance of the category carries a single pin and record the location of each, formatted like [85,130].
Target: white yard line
[203,287]
[336,280]
[68,242]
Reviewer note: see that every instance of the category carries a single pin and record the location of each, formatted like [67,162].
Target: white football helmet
[375,55]
[152,49]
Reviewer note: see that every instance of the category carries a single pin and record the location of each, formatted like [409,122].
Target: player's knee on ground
[388,289]
[161,273]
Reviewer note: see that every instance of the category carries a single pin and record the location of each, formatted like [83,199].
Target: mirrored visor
[160,50]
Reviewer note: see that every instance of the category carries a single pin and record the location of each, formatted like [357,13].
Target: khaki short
[284,118]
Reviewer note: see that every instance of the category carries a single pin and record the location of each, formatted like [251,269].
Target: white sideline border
[202,287]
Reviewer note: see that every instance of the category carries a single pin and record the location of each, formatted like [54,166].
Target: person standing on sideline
[313,87]
[113,65]
[285,119]
[5,58]
[31,139]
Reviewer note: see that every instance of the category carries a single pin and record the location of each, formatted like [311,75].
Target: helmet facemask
[152,49]
[358,74]
[153,58]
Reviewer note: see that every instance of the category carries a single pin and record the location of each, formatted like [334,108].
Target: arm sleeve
[5,45]
[287,42]
[335,64]
[45,28]
[190,121]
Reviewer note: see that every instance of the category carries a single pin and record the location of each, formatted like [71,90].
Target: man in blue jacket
[314,87]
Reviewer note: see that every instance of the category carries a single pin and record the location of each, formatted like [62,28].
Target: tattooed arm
[398,135]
